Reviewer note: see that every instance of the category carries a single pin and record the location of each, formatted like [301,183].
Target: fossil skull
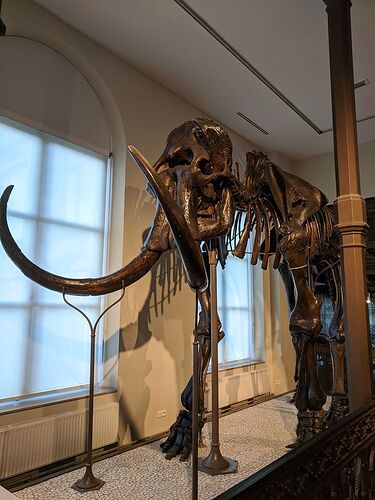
[192,181]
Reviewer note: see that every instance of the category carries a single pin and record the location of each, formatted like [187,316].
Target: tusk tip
[139,159]
[135,155]
[6,194]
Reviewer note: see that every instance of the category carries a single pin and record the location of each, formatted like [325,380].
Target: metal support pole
[89,482]
[195,426]
[215,463]
[350,204]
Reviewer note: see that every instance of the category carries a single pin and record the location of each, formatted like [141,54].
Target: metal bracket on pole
[215,464]
[89,482]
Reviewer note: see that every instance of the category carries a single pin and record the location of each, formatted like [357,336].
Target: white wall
[157,313]
[281,161]
[47,92]
[320,171]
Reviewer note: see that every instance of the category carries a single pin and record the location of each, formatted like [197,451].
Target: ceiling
[265,59]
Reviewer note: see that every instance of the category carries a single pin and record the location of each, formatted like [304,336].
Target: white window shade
[57,214]
[235,308]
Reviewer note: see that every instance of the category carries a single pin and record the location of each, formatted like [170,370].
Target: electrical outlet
[277,382]
[161,413]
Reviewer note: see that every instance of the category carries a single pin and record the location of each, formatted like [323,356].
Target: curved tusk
[124,277]
[187,246]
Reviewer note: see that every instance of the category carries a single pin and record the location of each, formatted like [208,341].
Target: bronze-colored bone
[201,142]
[258,230]
[83,286]
[198,154]
[304,238]
[240,249]
[189,250]
[223,220]
[276,225]
[267,237]
[197,198]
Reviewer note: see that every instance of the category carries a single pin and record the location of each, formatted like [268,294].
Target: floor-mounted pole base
[215,464]
[88,483]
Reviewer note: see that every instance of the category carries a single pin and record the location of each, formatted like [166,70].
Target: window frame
[52,396]
[250,360]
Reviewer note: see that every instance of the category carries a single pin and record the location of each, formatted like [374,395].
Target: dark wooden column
[2,25]
[349,203]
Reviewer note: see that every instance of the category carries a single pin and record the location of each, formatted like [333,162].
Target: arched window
[55,149]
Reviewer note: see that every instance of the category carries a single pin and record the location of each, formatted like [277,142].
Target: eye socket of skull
[182,156]
[205,166]
[197,158]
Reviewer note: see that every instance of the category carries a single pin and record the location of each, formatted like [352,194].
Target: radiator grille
[30,445]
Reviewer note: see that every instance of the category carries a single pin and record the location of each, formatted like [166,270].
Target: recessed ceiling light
[258,127]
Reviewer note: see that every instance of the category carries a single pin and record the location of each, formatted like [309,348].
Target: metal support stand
[215,464]
[89,482]
[195,409]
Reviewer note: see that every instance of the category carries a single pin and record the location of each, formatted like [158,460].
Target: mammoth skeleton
[200,200]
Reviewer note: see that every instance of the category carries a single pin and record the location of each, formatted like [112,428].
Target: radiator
[40,442]
[240,386]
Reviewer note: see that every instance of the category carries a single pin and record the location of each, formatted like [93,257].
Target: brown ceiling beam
[350,204]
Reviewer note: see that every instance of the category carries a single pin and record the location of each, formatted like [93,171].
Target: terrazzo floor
[255,437]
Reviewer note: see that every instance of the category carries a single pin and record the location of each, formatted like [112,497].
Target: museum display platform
[255,437]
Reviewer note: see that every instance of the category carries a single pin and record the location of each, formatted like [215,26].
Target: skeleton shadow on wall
[167,279]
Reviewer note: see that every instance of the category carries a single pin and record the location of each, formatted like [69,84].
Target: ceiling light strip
[371,117]
[246,63]
[252,123]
